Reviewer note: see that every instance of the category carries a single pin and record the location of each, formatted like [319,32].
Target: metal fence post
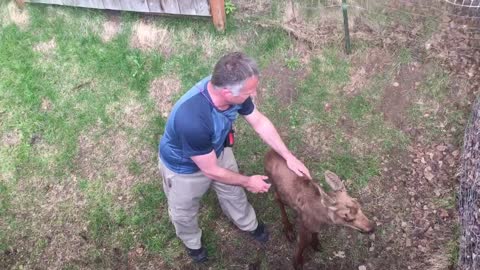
[345,25]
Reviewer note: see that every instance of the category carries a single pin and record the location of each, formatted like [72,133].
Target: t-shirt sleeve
[247,107]
[194,132]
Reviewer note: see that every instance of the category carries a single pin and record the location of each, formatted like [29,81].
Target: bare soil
[146,36]
[162,91]
[413,200]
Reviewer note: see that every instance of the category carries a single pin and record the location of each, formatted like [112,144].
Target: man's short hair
[232,70]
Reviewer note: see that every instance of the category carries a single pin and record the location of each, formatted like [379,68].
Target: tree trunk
[469,201]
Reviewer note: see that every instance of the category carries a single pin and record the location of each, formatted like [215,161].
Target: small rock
[362,267]
[408,242]
[396,84]
[404,224]
[428,175]
[443,213]
[327,107]
[340,254]
[441,148]
[140,250]
[372,237]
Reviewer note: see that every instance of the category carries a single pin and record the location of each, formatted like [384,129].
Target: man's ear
[226,92]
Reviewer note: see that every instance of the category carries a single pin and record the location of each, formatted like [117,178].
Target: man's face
[249,90]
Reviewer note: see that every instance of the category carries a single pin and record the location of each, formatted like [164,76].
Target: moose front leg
[305,240]
[287,226]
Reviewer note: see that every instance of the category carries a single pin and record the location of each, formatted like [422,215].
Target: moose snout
[370,228]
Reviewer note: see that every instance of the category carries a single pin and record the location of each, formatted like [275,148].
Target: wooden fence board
[135,5]
[202,7]
[212,8]
[53,2]
[89,4]
[164,6]
[68,2]
[187,7]
[112,4]
[179,7]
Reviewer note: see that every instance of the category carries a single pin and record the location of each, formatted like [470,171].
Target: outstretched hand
[297,167]
[257,184]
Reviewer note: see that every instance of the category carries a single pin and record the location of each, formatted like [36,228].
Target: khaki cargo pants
[184,192]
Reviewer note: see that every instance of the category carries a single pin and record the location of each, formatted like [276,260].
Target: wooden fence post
[217,9]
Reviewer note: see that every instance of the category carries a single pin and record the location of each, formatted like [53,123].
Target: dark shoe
[260,233]
[198,255]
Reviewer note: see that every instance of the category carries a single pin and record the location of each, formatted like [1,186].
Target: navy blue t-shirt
[195,127]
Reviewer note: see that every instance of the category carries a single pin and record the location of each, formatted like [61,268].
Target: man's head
[236,76]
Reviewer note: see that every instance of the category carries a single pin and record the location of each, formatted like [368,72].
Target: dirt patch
[110,29]
[398,94]
[162,91]
[52,215]
[285,82]
[364,67]
[46,105]
[414,208]
[138,258]
[129,113]
[251,8]
[317,140]
[147,37]
[109,155]
[63,239]
[455,44]
[46,47]
[18,16]
[12,138]
[211,45]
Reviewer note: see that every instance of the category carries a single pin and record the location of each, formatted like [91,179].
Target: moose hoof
[298,266]
[290,234]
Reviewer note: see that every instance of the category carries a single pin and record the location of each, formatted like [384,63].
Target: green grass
[358,107]
[453,247]
[89,82]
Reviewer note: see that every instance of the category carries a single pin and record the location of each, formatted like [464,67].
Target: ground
[85,94]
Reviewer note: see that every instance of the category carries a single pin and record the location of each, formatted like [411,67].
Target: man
[194,152]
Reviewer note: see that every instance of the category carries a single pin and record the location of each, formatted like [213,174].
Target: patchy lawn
[84,96]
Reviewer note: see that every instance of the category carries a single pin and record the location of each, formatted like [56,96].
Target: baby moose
[314,207]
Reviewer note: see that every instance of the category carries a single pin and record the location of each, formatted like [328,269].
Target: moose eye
[347,218]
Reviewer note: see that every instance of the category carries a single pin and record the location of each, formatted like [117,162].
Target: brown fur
[312,204]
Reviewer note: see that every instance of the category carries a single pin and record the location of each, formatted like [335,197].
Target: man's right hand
[256,184]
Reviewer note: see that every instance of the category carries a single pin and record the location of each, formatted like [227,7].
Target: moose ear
[334,181]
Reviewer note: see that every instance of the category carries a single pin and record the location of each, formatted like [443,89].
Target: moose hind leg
[287,226]
[314,243]
[304,241]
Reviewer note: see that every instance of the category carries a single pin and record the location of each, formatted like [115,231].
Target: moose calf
[312,204]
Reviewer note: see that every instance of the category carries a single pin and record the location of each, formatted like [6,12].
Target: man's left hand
[297,167]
